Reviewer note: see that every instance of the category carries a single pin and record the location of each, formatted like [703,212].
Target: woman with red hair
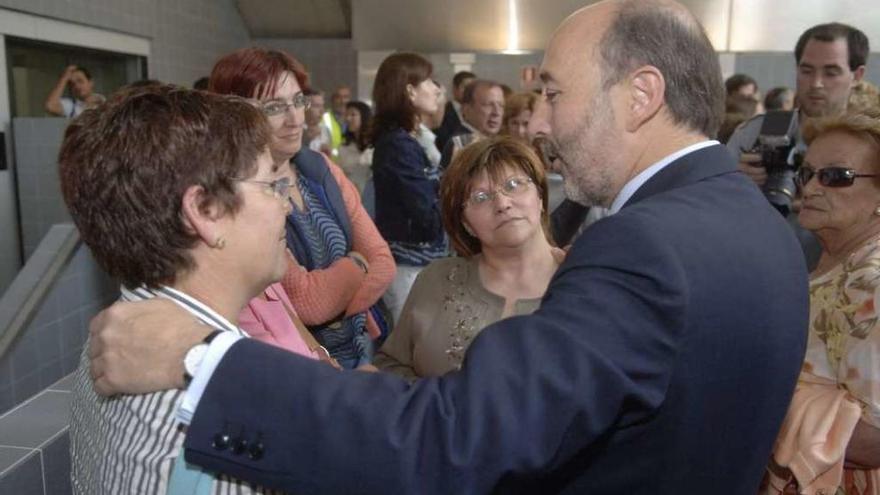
[340,265]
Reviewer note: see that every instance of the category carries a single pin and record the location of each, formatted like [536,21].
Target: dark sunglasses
[830,176]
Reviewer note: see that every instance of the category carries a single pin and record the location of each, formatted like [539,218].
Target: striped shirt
[128,443]
[418,254]
[326,243]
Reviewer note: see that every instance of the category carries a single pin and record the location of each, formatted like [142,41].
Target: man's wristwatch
[195,355]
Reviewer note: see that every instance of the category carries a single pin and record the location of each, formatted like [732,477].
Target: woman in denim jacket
[407,184]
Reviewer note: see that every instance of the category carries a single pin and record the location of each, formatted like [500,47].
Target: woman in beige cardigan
[494,204]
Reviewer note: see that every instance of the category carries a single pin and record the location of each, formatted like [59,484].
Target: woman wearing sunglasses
[494,203]
[831,436]
[340,266]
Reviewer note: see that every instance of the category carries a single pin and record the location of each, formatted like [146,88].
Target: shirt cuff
[193,394]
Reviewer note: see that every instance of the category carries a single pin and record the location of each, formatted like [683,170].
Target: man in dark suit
[482,108]
[451,124]
[662,358]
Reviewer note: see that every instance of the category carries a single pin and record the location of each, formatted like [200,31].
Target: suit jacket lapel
[693,167]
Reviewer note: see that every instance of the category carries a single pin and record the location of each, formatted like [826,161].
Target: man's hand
[138,347]
[68,72]
[750,164]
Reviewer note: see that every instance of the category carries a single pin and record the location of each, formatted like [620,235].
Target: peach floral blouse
[844,343]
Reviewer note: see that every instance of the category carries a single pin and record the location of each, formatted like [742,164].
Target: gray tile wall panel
[37,142]
[187,36]
[330,62]
[56,465]
[35,445]
[50,346]
[778,69]
[25,478]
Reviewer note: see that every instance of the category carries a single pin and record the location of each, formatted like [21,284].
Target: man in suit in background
[452,123]
[482,108]
[662,358]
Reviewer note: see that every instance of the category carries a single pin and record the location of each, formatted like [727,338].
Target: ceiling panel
[470,25]
[753,29]
[297,18]
[454,25]
[442,26]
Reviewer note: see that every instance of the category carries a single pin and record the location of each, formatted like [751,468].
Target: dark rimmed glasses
[280,188]
[274,108]
[511,187]
[829,176]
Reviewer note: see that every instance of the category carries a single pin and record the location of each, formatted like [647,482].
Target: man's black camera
[775,143]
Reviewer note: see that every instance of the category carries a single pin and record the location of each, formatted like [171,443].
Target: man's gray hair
[648,33]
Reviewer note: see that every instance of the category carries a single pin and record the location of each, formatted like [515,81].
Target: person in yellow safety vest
[334,119]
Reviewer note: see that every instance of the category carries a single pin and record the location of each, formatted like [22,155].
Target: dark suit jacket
[447,151]
[450,126]
[566,220]
[661,361]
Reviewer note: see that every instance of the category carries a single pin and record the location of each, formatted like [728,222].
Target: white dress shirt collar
[639,180]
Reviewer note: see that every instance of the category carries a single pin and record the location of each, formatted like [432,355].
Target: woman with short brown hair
[204,232]
[518,110]
[494,203]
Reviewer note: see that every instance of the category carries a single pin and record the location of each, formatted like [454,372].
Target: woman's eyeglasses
[830,176]
[280,188]
[511,187]
[274,108]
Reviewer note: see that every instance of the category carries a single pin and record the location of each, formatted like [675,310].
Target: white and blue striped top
[128,443]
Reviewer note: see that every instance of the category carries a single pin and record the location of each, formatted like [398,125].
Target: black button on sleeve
[255,452]
[221,441]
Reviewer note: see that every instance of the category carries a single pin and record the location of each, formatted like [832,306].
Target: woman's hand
[863,451]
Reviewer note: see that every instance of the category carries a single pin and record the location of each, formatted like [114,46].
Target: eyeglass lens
[830,176]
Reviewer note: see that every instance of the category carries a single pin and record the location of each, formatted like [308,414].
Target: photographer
[830,60]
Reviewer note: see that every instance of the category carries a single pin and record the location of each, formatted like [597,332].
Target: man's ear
[201,215]
[859,73]
[647,94]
